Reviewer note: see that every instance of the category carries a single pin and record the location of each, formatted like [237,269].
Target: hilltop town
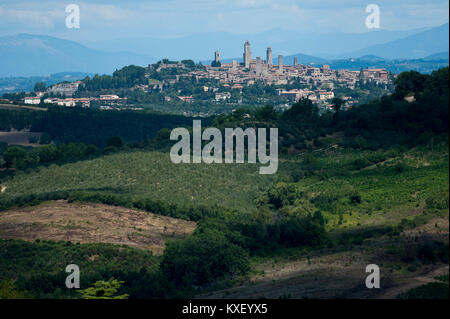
[254,81]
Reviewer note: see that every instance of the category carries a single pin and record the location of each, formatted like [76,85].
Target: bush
[433,251]
[355,198]
[114,141]
[202,259]
[45,139]
[295,232]
[360,163]
[438,201]
[282,194]
[400,167]
[433,290]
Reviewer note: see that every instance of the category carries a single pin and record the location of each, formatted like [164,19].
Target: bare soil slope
[92,223]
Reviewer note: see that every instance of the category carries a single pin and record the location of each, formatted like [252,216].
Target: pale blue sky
[101,19]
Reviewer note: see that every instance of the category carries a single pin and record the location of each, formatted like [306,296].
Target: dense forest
[90,126]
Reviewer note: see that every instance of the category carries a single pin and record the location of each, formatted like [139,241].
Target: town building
[34,100]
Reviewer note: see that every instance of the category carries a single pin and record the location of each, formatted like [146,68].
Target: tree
[188,63]
[3,147]
[203,258]
[282,194]
[45,139]
[302,110]
[40,87]
[409,82]
[114,141]
[103,290]
[9,291]
[266,113]
[14,156]
[337,104]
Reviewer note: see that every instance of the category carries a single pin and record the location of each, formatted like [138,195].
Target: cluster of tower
[247,58]
[269,58]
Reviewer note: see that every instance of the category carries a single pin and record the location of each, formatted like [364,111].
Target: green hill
[140,175]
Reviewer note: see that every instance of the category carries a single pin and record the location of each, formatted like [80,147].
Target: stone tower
[247,55]
[280,63]
[269,56]
[258,66]
[217,57]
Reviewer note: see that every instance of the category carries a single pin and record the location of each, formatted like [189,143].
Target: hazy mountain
[26,55]
[200,47]
[370,57]
[438,56]
[415,46]
[26,84]
[29,55]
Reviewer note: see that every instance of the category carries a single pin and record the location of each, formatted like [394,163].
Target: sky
[113,19]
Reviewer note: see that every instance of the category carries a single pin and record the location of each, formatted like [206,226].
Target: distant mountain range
[26,84]
[201,47]
[425,65]
[438,56]
[415,46]
[31,55]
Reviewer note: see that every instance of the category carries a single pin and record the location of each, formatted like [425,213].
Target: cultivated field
[150,175]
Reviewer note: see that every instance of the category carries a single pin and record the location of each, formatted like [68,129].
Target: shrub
[438,201]
[433,290]
[282,194]
[114,141]
[433,251]
[400,167]
[45,139]
[202,259]
[360,163]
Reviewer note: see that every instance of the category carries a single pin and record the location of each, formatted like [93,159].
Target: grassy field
[149,175]
[351,188]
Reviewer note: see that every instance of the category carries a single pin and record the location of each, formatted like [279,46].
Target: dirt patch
[93,223]
[19,138]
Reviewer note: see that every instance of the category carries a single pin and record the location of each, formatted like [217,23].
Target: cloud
[112,19]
